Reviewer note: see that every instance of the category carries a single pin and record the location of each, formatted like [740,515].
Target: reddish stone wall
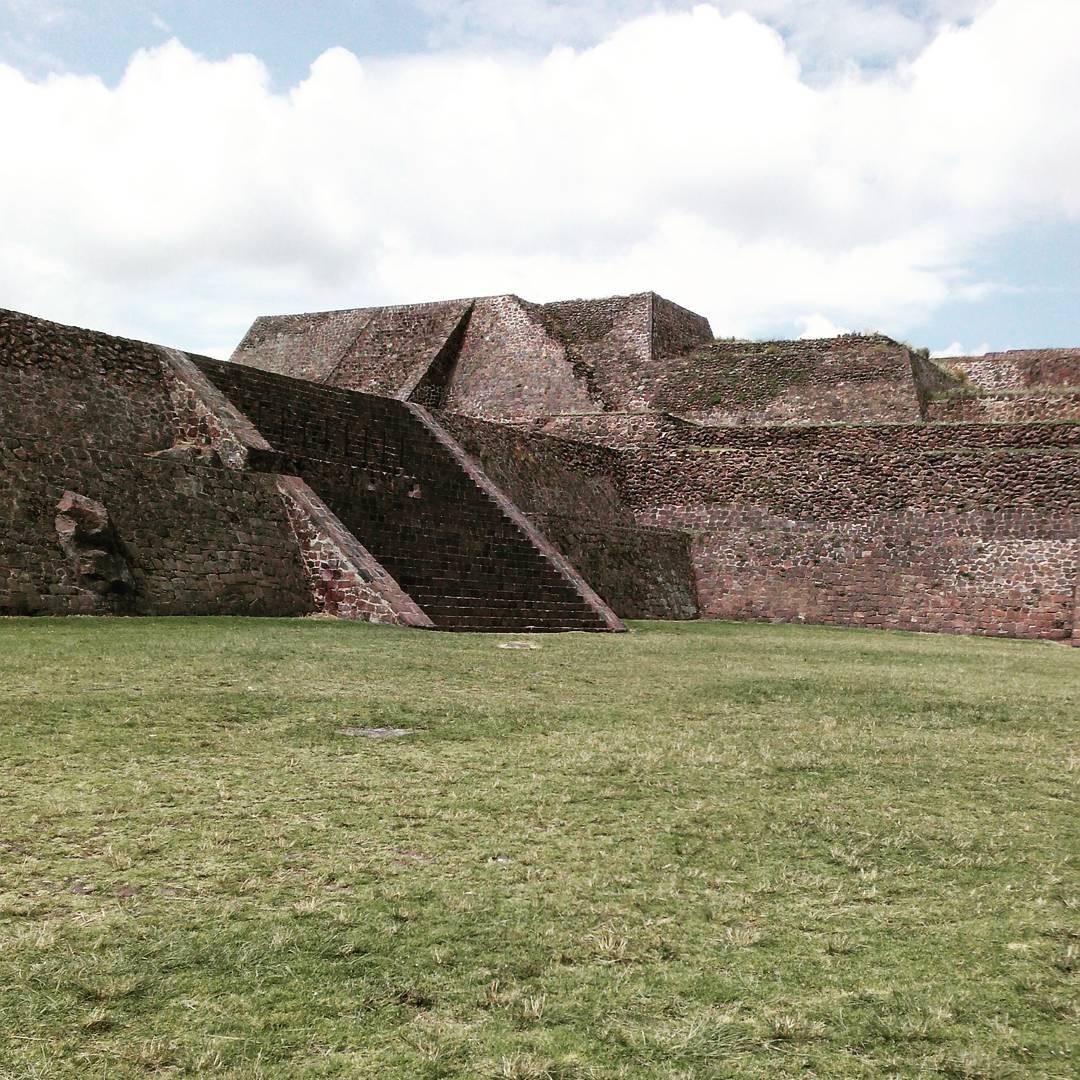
[966,526]
[571,491]
[618,344]
[607,343]
[1004,573]
[499,357]
[510,364]
[85,412]
[851,378]
[544,475]
[978,541]
[628,430]
[1019,369]
[888,438]
[643,572]
[346,580]
[305,346]
[396,347]
[384,350]
[1004,406]
[823,484]
[606,429]
[675,330]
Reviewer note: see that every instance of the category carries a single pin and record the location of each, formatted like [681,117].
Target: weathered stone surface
[402,486]
[87,538]
[804,481]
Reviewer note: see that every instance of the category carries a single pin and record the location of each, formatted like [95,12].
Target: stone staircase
[418,503]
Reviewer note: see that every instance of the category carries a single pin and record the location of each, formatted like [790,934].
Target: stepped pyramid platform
[493,464]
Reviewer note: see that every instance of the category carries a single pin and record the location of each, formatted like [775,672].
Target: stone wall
[544,476]
[346,580]
[571,491]
[307,346]
[854,377]
[973,540]
[198,540]
[1002,573]
[1004,406]
[1019,369]
[396,483]
[511,365]
[396,346]
[385,350]
[81,387]
[94,416]
[877,438]
[136,479]
[629,430]
[675,331]
[134,435]
[499,357]
[841,483]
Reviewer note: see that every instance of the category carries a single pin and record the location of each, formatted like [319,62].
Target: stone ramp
[413,498]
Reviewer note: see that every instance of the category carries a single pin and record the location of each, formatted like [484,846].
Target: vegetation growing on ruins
[695,850]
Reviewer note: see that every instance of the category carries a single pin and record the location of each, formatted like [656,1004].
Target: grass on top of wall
[695,850]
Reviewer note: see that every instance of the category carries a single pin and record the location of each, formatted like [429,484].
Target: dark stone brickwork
[629,430]
[839,484]
[544,476]
[98,417]
[346,580]
[396,347]
[614,429]
[643,572]
[571,491]
[878,438]
[81,387]
[849,480]
[385,470]
[198,541]
[205,422]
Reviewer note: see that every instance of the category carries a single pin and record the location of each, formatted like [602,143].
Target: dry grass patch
[695,850]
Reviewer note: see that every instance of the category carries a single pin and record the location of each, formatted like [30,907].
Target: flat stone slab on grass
[377,732]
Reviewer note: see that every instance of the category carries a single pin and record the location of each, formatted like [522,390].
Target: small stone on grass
[376,732]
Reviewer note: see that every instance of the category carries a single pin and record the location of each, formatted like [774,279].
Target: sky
[171,170]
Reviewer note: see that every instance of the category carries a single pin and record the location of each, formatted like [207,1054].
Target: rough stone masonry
[495,464]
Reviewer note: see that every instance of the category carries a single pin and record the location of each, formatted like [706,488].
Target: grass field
[696,850]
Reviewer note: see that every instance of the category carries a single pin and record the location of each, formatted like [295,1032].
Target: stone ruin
[493,464]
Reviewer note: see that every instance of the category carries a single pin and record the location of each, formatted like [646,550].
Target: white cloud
[823,33]
[817,326]
[684,152]
[956,349]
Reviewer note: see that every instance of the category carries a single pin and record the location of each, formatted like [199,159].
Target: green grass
[696,850]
